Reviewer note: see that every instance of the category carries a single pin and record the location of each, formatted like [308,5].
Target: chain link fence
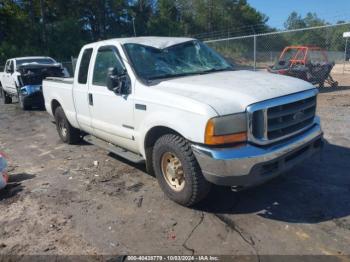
[263,51]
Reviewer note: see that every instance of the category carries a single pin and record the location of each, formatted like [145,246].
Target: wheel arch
[151,137]
[54,105]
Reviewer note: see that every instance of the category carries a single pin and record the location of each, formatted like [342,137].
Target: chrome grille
[286,119]
[279,118]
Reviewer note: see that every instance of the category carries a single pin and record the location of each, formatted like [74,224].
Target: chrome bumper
[250,165]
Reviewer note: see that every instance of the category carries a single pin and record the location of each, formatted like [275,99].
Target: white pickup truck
[177,105]
[22,78]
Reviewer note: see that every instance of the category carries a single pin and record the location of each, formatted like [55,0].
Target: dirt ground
[80,200]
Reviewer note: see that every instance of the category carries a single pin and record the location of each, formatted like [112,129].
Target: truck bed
[60,89]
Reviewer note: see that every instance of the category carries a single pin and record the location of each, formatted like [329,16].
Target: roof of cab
[153,41]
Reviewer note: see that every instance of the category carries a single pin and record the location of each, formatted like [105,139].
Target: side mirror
[118,82]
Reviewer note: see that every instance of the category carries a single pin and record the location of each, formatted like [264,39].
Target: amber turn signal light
[212,139]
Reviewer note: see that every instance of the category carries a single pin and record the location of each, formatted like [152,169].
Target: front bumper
[34,99]
[251,165]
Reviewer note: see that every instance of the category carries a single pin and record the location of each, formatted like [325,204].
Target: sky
[279,10]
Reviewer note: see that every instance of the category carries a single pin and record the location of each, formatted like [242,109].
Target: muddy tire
[6,99]
[178,172]
[66,131]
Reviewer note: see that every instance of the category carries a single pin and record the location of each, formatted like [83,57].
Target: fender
[181,122]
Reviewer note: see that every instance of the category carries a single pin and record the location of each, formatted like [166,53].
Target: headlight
[226,129]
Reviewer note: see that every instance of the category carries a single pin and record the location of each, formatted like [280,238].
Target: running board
[132,157]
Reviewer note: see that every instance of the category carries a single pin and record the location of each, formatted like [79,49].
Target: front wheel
[66,131]
[178,172]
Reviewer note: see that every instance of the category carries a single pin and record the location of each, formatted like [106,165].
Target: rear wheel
[66,131]
[6,99]
[178,171]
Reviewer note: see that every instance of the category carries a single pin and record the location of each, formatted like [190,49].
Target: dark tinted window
[84,66]
[106,58]
[11,67]
[7,66]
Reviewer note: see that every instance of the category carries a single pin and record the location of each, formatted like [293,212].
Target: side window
[84,66]
[106,58]
[11,67]
[7,66]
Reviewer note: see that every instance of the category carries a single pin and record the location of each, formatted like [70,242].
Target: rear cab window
[84,66]
[11,66]
[6,65]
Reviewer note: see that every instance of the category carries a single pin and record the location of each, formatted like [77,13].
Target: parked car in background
[3,174]
[22,78]
[179,106]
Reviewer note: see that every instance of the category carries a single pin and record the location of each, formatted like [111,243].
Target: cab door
[111,113]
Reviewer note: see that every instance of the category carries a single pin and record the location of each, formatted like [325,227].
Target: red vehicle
[309,63]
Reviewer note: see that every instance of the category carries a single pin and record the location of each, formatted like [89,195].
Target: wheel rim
[173,171]
[62,127]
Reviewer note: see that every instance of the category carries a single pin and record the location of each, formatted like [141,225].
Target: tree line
[59,28]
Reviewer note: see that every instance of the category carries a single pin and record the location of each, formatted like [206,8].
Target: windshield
[188,58]
[46,61]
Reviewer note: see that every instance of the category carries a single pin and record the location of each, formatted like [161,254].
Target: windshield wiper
[190,74]
[213,70]
[171,76]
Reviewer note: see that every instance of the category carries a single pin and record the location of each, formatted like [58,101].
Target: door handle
[91,100]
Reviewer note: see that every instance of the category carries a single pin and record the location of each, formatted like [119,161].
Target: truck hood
[232,91]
